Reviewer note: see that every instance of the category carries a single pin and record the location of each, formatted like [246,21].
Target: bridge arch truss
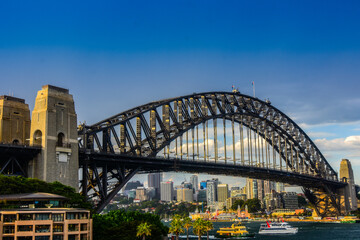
[261,137]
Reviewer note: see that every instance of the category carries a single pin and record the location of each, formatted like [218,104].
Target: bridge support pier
[54,128]
[103,181]
[326,202]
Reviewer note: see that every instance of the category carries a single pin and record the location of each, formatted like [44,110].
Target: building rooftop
[44,210]
[31,196]
[10,98]
[58,89]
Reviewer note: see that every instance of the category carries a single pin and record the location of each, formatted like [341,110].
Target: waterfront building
[154,180]
[41,217]
[269,202]
[290,200]
[166,191]
[184,195]
[194,181]
[141,194]
[223,192]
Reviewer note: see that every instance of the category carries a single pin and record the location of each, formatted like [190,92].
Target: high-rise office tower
[223,192]
[251,188]
[211,191]
[167,191]
[260,188]
[154,180]
[279,187]
[194,182]
[184,195]
[268,187]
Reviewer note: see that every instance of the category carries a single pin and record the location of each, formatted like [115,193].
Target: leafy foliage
[123,225]
[254,205]
[15,185]
[237,203]
[165,209]
[144,229]
[176,226]
[187,223]
[200,227]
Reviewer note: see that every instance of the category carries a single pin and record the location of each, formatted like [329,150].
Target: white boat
[269,228]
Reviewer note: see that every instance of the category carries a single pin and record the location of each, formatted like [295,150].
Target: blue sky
[113,55]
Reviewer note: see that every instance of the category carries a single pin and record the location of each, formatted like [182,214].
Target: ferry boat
[350,219]
[277,228]
[236,231]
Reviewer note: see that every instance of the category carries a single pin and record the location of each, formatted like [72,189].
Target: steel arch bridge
[173,135]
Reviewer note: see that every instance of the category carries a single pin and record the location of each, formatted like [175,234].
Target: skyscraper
[251,188]
[260,188]
[223,192]
[184,195]
[268,187]
[154,180]
[194,182]
[167,191]
[211,191]
[279,187]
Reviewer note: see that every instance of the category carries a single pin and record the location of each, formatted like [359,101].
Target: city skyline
[116,56]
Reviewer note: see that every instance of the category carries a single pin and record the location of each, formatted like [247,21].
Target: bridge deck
[152,164]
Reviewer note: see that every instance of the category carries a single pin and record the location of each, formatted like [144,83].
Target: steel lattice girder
[252,112]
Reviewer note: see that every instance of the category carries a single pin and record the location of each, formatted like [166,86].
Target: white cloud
[351,143]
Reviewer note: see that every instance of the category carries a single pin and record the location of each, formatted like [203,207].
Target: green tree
[144,229]
[199,227]
[18,184]
[176,226]
[121,224]
[208,226]
[187,224]
[253,204]
[237,203]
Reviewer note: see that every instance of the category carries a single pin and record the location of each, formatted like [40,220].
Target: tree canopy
[18,184]
[253,204]
[123,225]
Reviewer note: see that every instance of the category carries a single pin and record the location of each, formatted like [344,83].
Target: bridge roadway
[14,159]
[156,164]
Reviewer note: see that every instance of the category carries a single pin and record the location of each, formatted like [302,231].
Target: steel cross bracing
[273,140]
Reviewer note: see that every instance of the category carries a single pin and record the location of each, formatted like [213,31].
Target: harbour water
[307,231]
